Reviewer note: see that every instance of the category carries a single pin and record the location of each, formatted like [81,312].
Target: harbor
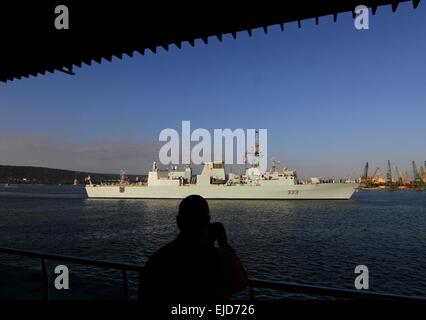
[393,180]
[304,242]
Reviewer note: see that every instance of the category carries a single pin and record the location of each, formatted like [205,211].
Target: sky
[331,97]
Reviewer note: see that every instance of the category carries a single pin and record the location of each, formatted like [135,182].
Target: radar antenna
[274,161]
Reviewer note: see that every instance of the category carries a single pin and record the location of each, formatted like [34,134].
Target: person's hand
[220,234]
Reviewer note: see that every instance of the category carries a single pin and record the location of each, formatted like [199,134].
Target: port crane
[395,179]
[389,181]
[403,179]
[423,173]
[374,175]
[400,180]
[365,174]
[416,174]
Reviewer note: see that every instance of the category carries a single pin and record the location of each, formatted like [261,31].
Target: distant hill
[40,175]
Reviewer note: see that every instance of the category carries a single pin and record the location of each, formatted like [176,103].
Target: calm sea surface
[313,242]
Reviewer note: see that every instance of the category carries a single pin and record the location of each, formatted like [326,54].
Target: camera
[216,232]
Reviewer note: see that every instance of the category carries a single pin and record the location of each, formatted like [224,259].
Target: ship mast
[122,178]
[256,150]
[256,145]
[256,153]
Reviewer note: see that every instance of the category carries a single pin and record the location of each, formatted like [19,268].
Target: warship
[214,183]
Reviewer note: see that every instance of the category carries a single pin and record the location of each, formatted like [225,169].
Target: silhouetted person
[192,268]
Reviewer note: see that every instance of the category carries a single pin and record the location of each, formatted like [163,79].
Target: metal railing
[252,283]
[123,267]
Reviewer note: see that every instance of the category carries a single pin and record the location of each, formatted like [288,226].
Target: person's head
[194,216]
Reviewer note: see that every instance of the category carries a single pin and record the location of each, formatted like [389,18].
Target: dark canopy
[31,45]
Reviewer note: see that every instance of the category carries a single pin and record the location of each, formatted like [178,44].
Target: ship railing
[253,284]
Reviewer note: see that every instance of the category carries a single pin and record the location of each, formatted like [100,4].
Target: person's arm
[232,274]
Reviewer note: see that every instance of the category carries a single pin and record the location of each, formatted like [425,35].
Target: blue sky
[332,97]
